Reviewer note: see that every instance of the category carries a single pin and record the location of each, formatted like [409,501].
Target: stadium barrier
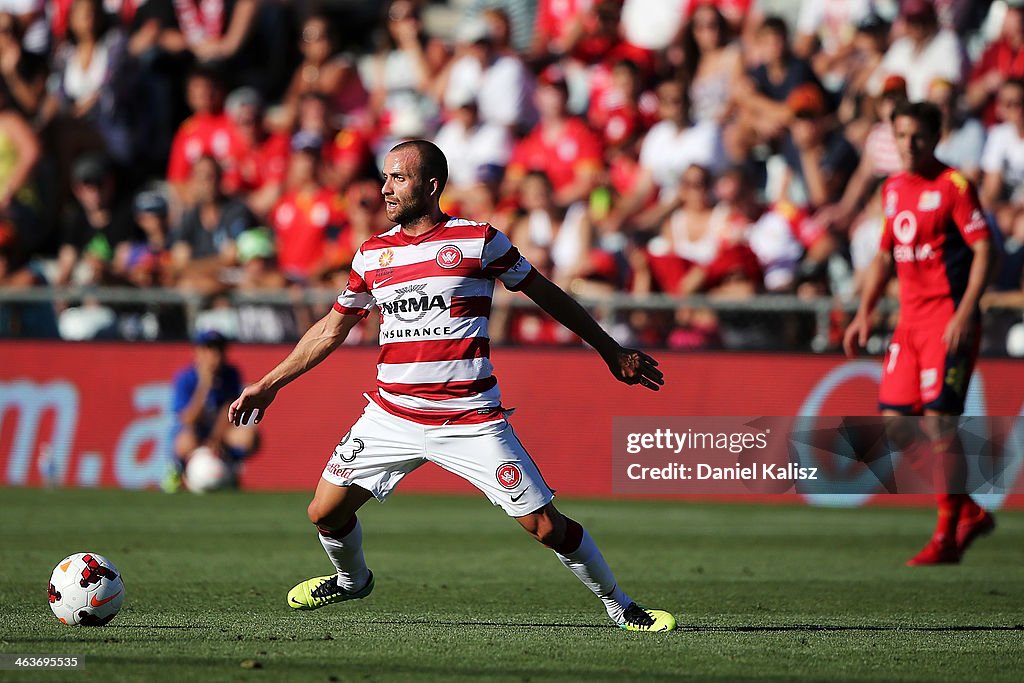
[759,315]
[98,414]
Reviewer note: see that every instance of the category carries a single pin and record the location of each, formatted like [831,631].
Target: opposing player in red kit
[432,276]
[937,235]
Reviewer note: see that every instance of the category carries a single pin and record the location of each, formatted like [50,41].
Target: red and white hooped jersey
[434,293]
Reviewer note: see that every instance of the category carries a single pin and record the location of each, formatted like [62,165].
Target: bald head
[432,164]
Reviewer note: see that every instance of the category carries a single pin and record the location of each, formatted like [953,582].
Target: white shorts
[381,448]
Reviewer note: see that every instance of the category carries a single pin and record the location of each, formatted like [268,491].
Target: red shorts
[919,374]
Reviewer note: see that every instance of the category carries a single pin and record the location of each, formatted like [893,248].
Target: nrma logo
[411,304]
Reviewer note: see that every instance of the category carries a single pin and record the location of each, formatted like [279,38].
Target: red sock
[950,508]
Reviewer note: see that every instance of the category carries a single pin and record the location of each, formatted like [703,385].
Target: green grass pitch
[761,593]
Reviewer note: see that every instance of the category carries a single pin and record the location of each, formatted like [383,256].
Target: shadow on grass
[788,628]
[838,627]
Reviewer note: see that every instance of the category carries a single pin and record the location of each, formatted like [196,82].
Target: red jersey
[1002,58]
[254,166]
[562,158]
[201,135]
[300,221]
[930,225]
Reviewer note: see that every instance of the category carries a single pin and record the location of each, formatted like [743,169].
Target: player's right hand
[251,405]
[856,335]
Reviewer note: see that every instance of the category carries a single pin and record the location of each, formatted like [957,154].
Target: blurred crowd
[731,148]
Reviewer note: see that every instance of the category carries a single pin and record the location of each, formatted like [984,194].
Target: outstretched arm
[628,365]
[320,340]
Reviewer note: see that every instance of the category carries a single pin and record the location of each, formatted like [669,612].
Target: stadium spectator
[880,159]
[714,64]
[346,158]
[306,212]
[769,234]
[213,31]
[1002,161]
[93,81]
[259,322]
[475,149]
[938,239]
[761,96]
[145,260]
[557,239]
[670,147]
[559,26]
[818,158]
[17,271]
[519,17]
[825,33]
[963,138]
[95,227]
[699,247]
[24,73]
[927,51]
[497,80]
[30,16]
[208,132]
[562,146]
[326,71]
[20,204]
[202,392]
[622,109]
[204,240]
[400,75]
[1001,61]
[857,99]
[261,157]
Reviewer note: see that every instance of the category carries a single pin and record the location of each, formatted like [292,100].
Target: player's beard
[406,211]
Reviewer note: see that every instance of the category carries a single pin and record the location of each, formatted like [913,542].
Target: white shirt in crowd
[652,24]
[503,90]
[667,151]
[941,57]
[1004,154]
[470,149]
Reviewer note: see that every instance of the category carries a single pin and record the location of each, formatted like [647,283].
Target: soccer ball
[85,590]
[205,471]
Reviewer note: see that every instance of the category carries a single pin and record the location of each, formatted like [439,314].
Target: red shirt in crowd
[998,57]
[561,158]
[930,223]
[202,135]
[253,166]
[300,220]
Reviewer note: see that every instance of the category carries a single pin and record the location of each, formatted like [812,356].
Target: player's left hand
[959,331]
[636,367]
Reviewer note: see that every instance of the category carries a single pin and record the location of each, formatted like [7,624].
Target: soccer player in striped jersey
[432,277]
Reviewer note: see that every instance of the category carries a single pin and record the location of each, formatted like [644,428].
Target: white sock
[347,555]
[587,563]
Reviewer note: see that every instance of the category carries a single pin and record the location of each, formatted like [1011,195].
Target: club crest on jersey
[385,258]
[449,256]
[904,227]
[929,201]
[509,475]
